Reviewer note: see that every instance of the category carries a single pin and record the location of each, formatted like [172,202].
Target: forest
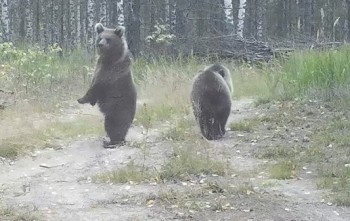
[176,26]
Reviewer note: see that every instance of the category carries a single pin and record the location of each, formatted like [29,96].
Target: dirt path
[56,184]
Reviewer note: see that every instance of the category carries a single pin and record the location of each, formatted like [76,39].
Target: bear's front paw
[82,100]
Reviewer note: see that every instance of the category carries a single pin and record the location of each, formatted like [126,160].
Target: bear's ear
[119,31]
[99,28]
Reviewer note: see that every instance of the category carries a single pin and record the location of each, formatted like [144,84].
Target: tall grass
[324,74]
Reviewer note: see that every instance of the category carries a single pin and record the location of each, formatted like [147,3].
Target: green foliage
[250,81]
[319,73]
[246,125]
[130,173]
[8,213]
[332,143]
[276,152]
[47,136]
[188,162]
[32,69]
[284,169]
[181,130]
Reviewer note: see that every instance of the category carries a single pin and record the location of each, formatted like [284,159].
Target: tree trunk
[29,21]
[90,25]
[172,16]
[180,18]
[133,28]
[55,22]
[103,11]
[81,23]
[61,38]
[120,13]
[45,12]
[37,21]
[217,17]
[241,16]
[228,7]
[260,18]
[202,21]
[348,20]
[307,19]
[5,20]
[235,9]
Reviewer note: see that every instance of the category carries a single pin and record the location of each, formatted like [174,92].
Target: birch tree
[120,12]
[5,20]
[228,7]
[241,16]
[90,24]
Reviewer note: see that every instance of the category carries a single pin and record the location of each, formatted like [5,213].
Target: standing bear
[112,87]
[211,100]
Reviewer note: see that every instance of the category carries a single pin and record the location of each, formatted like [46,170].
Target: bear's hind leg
[206,124]
[222,118]
[116,128]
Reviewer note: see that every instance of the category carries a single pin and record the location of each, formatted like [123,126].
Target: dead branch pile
[232,47]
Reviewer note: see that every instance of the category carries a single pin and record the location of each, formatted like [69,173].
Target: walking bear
[112,87]
[211,100]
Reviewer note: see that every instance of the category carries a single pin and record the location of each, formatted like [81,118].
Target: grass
[49,81]
[215,196]
[277,152]
[181,129]
[130,173]
[245,125]
[249,125]
[164,87]
[188,162]
[327,154]
[323,74]
[48,134]
[195,199]
[249,81]
[334,172]
[12,214]
[188,199]
[283,169]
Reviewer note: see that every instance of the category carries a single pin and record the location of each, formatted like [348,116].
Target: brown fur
[112,87]
[211,100]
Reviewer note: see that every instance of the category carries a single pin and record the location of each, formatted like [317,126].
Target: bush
[31,69]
